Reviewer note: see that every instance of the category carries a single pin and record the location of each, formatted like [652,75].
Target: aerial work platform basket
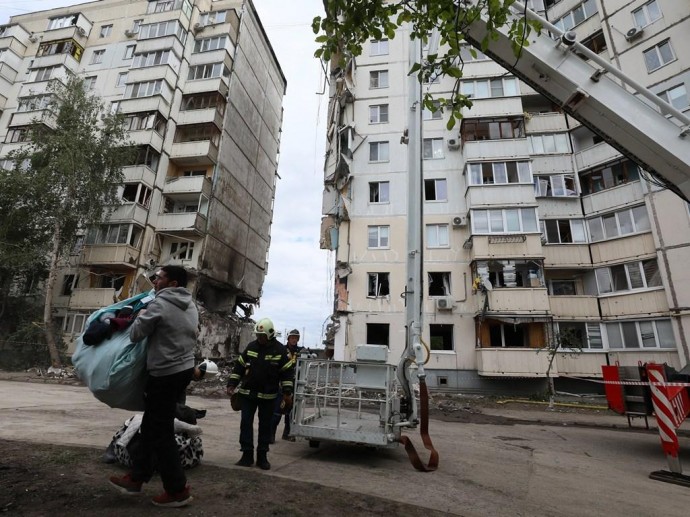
[351,402]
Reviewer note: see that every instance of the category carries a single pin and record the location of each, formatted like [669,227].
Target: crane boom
[651,133]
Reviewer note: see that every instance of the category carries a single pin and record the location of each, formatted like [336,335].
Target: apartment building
[202,93]
[536,231]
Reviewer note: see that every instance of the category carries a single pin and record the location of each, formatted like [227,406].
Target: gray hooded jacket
[171,323]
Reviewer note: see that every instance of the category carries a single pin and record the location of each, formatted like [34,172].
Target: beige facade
[576,244]
[202,91]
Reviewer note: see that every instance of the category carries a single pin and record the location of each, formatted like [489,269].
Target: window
[625,277]
[106,30]
[508,336]
[158,30]
[377,285]
[378,114]
[114,234]
[89,82]
[564,231]
[441,337]
[150,120]
[574,334]
[614,174]
[676,96]
[432,148]
[200,101]
[38,102]
[435,114]
[379,192]
[17,134]
[495,173]
[492,129]
[198,133]
[114,107]
[378,237]
[136,193]
[378,79]
[551,143]
[596,43]
[562,288]
[62,21]
[209,44]
[136,26]
[146,155]
[624,222]
[212,18]
[556,185]
[640,334]
[121,79]
[378,47]
[45,73]
[97,56]
[208,71]
[69,282]
[511,273]
[439,283]
[129,51]
[74,323]
[378,334]
[182,250]
[488,88]
[68,46]
[646,14]
[156,58]
[378,151]
[437,236]
[658,56]
[576,16]
[435,190]
[192,173]
[507,220]
[161,6]
[146,89]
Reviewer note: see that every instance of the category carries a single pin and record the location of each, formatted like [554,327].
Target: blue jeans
[159,450]
[250,405]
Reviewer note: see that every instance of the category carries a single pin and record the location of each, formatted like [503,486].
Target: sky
[298,288]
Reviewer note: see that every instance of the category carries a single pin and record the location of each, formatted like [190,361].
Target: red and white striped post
[670,406]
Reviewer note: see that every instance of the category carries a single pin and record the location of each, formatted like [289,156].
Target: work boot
[247,459]
[262,460]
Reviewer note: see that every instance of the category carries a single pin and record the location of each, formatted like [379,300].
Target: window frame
[643,10]
[376,191]
[378,281]
[378,114]
[657,51]
[437,236]
[433,187]
[382,148]
[378,75]
[381,233]
[378,48]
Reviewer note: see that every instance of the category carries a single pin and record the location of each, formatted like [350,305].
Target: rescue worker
[260,374]
[293,350]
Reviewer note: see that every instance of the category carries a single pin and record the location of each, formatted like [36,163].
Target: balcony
[502,246]
[574,307]
[140,173]
[596,155]
[519,301]
[145,104]
[147,137]
[513,362]
[28,89]
[66,60]
[215,84]
[80,31]
[184,222]
[496,149]
[13,49]
[513,195]
[635,356]
[613,197]
[91,298]
[494,107]
[14,32]
[110,254]
[552,164]
[645,303]
[585,364]
[545,123]
[8,73]
[187,185]
[129,212]
[202,116]
[623,248]
[3,99]
[27,118]
[152,73]
[566,256]
[164,43]
[194,153]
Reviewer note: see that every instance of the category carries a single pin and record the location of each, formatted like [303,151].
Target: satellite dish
[487,284]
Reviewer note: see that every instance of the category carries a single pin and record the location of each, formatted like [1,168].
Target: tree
[349,24]
[67,176]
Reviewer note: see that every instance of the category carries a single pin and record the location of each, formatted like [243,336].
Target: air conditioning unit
[129,33]
[81,31]
[453,144]
[444,304]
[198,27]
[33,38]
[459,221]
[633,33]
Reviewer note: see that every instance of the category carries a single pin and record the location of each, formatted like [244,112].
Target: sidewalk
[569,464]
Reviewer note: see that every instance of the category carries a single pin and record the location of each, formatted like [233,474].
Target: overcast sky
[298,288]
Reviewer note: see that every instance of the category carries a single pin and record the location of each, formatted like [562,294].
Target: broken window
[510,273]
[439,283]
[181,250]
[564,231]
[379,192]
[563,288]
[378,334]
[492,128]
[494,173]
[378,285]
[441,337]
[69,282]
[435,190]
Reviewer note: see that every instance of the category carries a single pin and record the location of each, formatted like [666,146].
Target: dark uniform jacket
[263,371]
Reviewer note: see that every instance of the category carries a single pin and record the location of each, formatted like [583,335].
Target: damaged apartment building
[537,233]
[201,90]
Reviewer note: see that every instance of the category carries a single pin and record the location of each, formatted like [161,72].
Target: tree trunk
[552,387]
[48,306]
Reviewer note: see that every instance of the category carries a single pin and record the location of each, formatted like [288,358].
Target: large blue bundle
[115,369]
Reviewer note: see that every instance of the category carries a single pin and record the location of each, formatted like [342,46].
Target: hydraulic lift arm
[628,116]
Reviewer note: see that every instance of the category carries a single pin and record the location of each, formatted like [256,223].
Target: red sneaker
[181,498]
[126,484]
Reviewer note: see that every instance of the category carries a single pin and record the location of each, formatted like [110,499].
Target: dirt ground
[59,480]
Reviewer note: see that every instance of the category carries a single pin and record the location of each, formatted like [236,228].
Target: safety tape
[628,383]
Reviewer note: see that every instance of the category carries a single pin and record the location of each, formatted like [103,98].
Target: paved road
[551,468]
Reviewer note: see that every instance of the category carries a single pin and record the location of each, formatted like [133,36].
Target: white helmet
[265,326]
[208,366]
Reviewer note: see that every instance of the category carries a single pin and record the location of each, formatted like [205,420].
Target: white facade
[577,245]
[202,91]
